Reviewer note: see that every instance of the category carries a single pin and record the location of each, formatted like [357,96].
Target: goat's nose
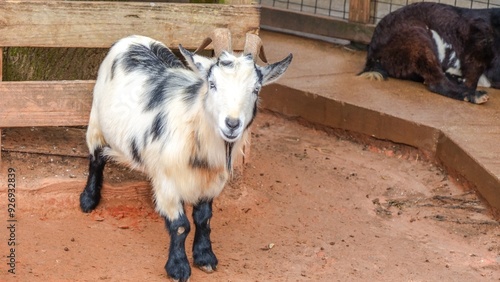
[232,123]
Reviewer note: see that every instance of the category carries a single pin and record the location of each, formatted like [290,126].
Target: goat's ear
[271,73]
[195,62]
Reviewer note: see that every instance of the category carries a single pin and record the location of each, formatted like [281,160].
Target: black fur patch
[254,113]
[169,82]
[260,77]
[249,57]
[158,126]
[193,91]
[146,137]
[166,56]
[154,59]
[198,163]
[157,93]
[209,71]
[113,68]
[135,151]
[226,63]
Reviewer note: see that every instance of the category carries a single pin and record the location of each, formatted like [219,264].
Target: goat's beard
[229,151]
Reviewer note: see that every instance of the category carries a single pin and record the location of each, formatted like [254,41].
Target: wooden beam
[315,24]
[45,103]
[1,77]
[99,24]
[359,11]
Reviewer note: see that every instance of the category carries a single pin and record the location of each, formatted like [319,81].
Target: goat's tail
[372,75]
[373,71]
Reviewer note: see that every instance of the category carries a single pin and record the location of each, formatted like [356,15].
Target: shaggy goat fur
[181,126]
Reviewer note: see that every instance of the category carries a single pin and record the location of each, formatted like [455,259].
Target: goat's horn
[221,39]
[253,45]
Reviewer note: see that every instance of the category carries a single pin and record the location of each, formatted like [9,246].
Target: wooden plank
[359,11]
[45,103]
[57,141]
[239,2]
[99,24]
[315,24]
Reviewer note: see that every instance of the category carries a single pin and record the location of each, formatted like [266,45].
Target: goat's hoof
[207,268]
[177,280]
[87,202]
[206,261]
[178,269]
[480,97]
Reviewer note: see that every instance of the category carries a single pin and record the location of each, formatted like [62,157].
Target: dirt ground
[310,206]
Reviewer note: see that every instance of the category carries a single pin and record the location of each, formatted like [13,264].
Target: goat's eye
[256,90]
[211,84]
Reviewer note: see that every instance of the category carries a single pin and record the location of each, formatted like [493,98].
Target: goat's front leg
[177,265]
[203,255]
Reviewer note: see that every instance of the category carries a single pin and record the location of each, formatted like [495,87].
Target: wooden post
[359,11]
[1,78]
[240,2]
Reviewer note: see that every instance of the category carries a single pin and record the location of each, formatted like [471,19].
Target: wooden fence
[97,25]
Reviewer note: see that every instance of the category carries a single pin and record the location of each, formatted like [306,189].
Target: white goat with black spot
[182,126]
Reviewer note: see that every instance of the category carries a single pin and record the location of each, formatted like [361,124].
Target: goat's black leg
[203,255]
[177,265]
[459,92]
[477,97]
[91,195]
[437,81]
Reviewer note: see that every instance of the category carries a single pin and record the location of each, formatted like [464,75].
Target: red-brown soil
[308,207]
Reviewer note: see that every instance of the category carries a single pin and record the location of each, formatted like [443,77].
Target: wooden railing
[98,25]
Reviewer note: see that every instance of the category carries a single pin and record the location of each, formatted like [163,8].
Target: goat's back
[141,100]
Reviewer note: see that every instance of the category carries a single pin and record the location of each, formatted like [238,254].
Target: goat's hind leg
[458,91]
[427,65]
[203,255]
[91,195]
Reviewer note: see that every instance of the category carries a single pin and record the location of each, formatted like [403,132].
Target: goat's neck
[208,144]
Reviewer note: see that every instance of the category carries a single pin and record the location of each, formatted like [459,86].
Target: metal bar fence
[339,9]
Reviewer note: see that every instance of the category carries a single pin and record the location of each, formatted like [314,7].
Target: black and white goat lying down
[448,48]
[182,126]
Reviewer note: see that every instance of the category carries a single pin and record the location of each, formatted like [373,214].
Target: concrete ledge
[454,157]
[322,110]
[321,87]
